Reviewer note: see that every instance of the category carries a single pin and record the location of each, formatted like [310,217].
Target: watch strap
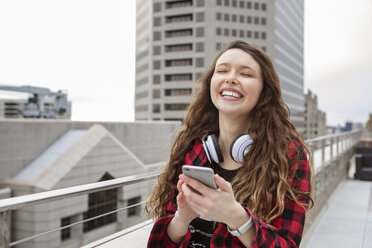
[242,229]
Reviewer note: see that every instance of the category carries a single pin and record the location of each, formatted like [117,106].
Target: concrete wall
[21,141]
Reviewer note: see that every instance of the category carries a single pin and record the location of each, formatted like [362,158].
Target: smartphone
[204,175]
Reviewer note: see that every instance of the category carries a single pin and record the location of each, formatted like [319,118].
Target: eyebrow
[241,66]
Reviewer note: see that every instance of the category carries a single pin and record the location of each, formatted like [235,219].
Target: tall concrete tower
[176,41]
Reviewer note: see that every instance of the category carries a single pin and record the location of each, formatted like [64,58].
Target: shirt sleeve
[289,225]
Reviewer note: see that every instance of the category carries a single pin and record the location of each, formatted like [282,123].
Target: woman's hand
[213,204]
[184,212]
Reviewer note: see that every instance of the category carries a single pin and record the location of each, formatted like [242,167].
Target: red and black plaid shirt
[289,225]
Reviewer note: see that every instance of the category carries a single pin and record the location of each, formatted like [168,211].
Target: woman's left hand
[214,204]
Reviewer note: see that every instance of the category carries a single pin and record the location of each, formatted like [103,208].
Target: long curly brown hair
[265,167]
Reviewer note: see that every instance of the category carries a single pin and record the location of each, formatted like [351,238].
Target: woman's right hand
[184,212]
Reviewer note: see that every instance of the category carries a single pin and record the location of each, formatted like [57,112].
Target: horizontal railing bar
[73,224]
[119,234]
[332,136]
[32,199]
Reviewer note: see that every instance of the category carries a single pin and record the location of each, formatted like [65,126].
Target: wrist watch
[242,229]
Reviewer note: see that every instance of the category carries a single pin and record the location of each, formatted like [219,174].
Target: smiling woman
[263,193]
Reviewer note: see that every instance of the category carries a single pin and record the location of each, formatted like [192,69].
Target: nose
[231,78]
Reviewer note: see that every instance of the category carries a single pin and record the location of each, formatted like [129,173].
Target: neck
[230,128]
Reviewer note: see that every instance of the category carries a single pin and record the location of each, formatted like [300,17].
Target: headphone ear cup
[240,147]
[212,149]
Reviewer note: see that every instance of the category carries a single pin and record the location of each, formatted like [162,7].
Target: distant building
[314,118]
[39,103]
[369,126]
[39,155]
[177,40]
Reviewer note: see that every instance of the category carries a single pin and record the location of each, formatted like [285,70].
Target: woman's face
[236,83]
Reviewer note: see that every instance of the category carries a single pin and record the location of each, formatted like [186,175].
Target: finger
[190,194]
[205,190]
[179,185]
[222,183]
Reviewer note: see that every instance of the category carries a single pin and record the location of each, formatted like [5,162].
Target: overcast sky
[87,47]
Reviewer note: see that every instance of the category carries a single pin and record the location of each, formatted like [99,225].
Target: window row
[179,18]
[199,62]
[170,107]
[242,4]
[242,19]
[168,92]
[188,32]
[241,33]
[199,47]
[175,77]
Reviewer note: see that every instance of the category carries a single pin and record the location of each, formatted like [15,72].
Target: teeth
[230,93]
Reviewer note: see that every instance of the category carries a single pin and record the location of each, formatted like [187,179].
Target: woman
[261,200]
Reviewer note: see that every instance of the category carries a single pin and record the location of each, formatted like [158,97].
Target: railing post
[4,217]
[331,149]
[338,145]
[323,145]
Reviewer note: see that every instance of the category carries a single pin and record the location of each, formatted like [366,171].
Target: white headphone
[238,149]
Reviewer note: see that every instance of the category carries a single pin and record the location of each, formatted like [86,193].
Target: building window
[218,31]
[218,16]
[256,35]
[156,79]
[200,17]
[65,233]
[157,50]
[178,47]
[263,6]
[241,19]
[178,92]
[171,5]
[256,6]
[226,32]
[200,47]
[263,35]
[157,7]
[155,109]
[234,4]
[178,33]
[135,210]
[157,35]
[241,33]
[241,4]
[227,2]
[219,2]
[256,20]
[200,32]
[263,21]
[233,18]
[200,3]
[249,19]
[233,32]
[175,106]
[249,34]
[156,64]
[100,203]
[249,5]
[178,18]
[199,62]
[218,46]
[178,77]
[156,93]
[227,17]
[157,21]
[178,62]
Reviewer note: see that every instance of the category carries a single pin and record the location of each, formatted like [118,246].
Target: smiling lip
[232,94]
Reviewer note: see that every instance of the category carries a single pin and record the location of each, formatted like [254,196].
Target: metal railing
[329,153]
[6,205]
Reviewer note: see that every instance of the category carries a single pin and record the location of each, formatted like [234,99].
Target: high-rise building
[178,40]
[314,118]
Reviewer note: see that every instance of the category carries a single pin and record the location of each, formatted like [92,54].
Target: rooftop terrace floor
[347,220]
